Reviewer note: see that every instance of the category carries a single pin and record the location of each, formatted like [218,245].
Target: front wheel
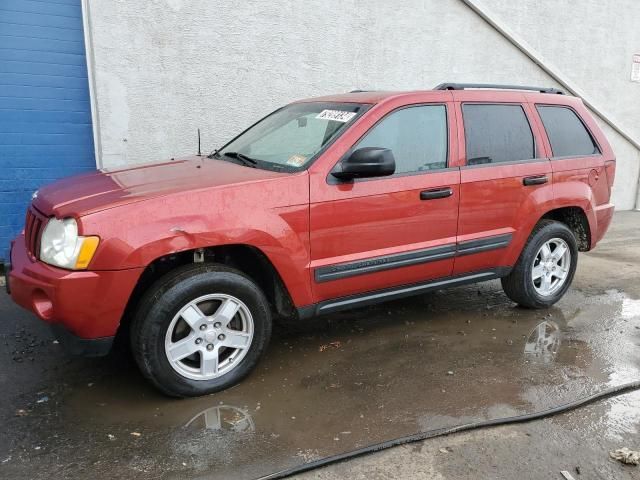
[545,268]
[200,329]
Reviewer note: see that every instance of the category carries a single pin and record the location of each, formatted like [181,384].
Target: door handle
[527,181]
[436,193]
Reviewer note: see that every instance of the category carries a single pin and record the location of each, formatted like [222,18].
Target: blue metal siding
[45,113]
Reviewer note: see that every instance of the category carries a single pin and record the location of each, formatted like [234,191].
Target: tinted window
[417,136]
[567,134]
[497,133]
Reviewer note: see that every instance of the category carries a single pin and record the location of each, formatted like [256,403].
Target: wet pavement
[347,380]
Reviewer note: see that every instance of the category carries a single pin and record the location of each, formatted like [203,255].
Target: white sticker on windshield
[296,160]
[336,115]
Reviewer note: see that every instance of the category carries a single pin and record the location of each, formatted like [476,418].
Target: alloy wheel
[209,336]
[551,267]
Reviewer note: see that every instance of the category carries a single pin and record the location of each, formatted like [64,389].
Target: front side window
[567,134]
[496,133]
[417,136]
[291,137]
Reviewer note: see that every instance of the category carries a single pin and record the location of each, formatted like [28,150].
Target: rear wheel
[200,329]
[545,268]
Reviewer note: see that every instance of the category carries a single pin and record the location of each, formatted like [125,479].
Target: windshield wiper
[250,162]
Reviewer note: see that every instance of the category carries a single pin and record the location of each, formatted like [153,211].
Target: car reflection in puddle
[543,342]
[223,417]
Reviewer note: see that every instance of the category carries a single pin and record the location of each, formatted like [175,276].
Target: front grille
[33,231]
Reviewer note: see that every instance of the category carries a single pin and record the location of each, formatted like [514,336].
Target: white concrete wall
[592,42]
[163,68]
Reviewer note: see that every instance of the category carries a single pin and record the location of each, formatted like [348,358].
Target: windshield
[291,137]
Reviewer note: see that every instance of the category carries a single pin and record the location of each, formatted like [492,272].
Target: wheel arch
[248,259]
[577,220]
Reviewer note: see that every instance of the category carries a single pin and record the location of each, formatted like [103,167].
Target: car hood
[88,193]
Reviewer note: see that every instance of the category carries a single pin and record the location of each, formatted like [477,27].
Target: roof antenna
[199,152]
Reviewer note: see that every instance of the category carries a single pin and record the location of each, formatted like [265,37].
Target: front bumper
[83,306]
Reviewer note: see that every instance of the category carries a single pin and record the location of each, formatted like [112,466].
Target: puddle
[543,342]
[341,382]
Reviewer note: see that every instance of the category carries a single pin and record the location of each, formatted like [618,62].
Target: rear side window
[567,134]
[496,133]
[417,136]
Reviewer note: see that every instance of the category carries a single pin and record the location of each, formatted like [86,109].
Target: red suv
[325,204]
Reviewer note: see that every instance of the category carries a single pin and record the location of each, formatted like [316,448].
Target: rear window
[496,133]
[567,134]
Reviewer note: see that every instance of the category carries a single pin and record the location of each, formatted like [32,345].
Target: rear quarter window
[567,134]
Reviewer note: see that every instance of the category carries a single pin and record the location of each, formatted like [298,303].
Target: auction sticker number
[336,115]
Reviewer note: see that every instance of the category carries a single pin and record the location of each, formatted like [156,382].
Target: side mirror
[366,162]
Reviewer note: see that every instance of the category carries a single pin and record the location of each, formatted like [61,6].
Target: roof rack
[464,86]
[360,91]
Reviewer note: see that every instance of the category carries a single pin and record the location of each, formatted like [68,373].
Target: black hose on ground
[416,437]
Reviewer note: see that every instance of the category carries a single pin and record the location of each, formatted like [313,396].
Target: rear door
[370,234]
[505,180]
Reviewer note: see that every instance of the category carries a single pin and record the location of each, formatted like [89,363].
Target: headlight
[61,245]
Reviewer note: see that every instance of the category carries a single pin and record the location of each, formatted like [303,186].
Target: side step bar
[379,296]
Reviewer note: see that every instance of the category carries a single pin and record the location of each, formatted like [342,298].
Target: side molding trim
[482,245]
[405,259]
[385,262]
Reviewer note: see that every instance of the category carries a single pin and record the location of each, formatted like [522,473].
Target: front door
[370,234]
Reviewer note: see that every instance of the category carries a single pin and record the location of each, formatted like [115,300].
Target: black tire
[163,301]
[519,286]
